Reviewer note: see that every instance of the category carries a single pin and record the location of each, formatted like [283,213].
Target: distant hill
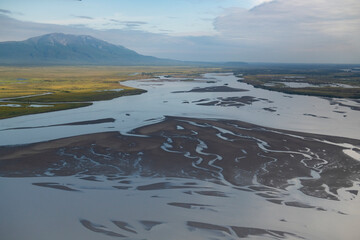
[66,49]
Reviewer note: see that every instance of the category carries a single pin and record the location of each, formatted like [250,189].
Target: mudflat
[221,151]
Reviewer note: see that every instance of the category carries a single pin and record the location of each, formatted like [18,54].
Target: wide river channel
[180,205]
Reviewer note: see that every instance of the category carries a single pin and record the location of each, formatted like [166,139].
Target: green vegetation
[337,92]
[72,87]
[330,81]
[25,109]
[81,96]
[68,87]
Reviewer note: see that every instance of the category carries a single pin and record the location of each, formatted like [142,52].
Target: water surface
[337,117]
[190,178]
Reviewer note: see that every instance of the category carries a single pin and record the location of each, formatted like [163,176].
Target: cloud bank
[295,30]
[288,31]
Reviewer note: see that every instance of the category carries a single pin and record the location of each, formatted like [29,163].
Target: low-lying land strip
[323,82]
[30,90]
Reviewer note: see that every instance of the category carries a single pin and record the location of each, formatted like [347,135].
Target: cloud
[83,17]
[4,11]
[296,30]
[129,24]
[309,31]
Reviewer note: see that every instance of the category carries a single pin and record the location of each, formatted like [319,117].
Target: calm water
[30,212]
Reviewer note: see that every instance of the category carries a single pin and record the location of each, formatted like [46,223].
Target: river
[188,180]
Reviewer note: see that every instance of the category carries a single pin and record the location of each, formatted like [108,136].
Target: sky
[284,31]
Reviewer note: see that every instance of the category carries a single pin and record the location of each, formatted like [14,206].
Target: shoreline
[52,105]
[65,86]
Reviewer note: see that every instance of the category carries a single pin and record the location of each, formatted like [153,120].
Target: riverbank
[326,81]
[60,88]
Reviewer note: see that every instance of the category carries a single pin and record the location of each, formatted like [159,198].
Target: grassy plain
[68,87]
[26,108]
[325,81]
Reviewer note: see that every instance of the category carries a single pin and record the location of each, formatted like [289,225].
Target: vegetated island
[340,81]
[31,90]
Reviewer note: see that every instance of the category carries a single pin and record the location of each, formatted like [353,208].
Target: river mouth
[167,165]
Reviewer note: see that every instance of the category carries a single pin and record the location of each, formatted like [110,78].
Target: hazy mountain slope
[65,49]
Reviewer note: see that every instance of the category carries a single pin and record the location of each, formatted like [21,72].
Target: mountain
[66,49]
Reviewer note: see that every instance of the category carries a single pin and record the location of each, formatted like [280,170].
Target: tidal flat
[193,159]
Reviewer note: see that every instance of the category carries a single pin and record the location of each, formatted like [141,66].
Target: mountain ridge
[67,49]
